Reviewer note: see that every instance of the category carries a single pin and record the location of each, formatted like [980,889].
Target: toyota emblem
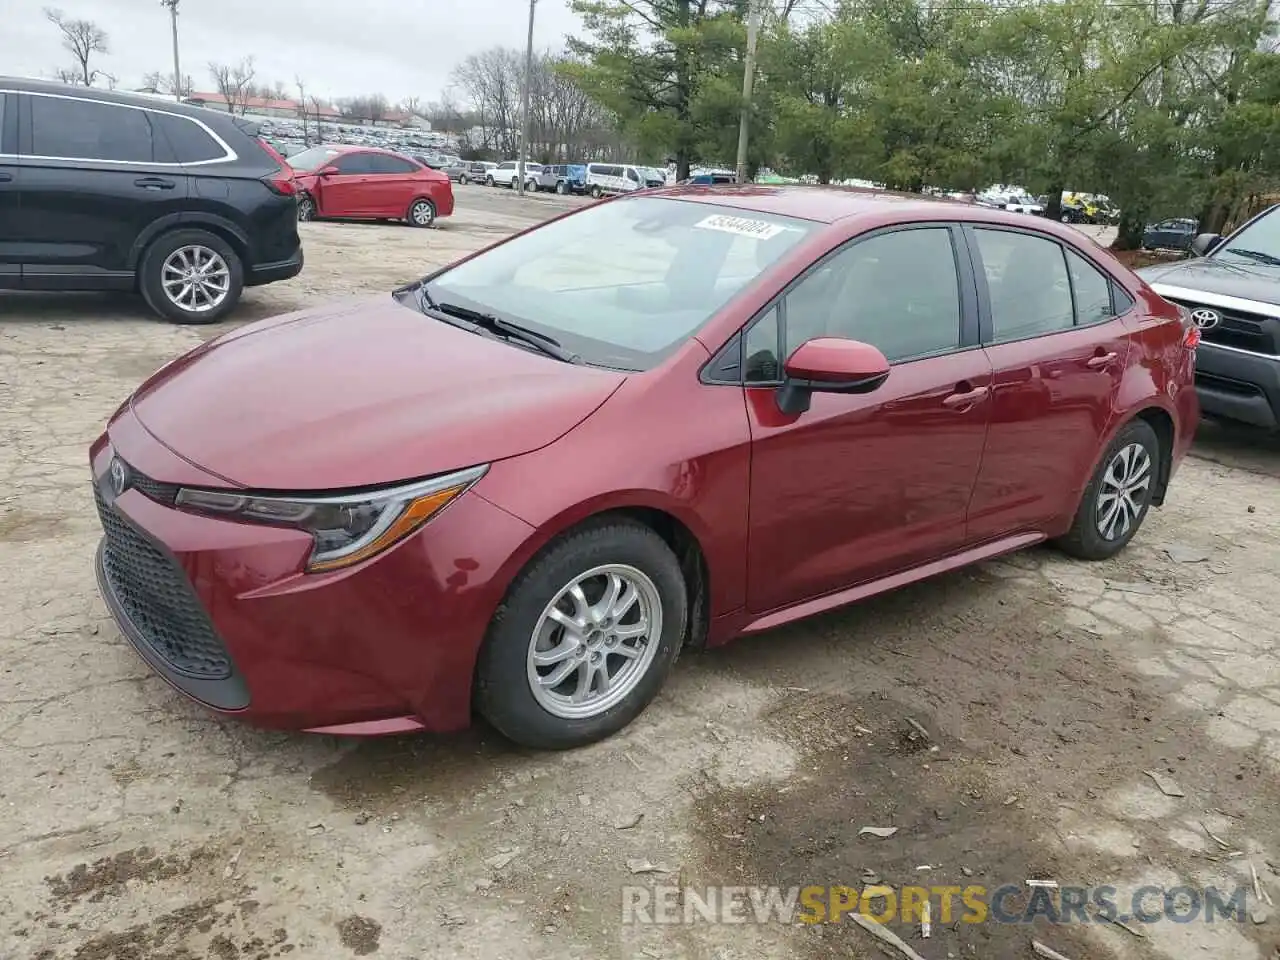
[119,476]
[1204,318]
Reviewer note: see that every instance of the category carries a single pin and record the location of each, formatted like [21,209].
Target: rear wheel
[422,213]
[1118,496]
[562,188]
[463,180]
[596,192]
[191,276]
[585,637]
[488,181]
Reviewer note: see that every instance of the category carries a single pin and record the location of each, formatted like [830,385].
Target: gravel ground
[138,827]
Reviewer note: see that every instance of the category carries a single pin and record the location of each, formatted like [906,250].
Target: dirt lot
[137,827]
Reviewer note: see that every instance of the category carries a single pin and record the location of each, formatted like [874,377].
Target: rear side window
[187,141]
[1092,290]
[1027,282]
[67,129]
[381,163]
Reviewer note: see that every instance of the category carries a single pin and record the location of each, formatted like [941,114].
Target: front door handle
[966,398]
[1100,361]
[154,183]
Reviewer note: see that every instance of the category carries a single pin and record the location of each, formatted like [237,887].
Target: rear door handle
[966,399]
[5,177]
[154,183]
[1100,361]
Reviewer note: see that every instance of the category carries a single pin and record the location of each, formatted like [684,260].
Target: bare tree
[492,80]
[235,83]
[159,81]
[302,108]
[82,39]
[372,107]
[412,106]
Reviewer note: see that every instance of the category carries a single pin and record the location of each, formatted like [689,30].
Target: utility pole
[524,99]
[177,70]
[748,78]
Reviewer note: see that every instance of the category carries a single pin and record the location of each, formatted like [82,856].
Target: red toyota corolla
[524,483]
[370,184]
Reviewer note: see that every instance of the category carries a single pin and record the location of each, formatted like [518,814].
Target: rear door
[393,184]
[1058,351]
[10,197]
[94,176]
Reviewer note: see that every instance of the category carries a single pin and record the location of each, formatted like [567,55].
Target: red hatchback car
[365,183]
[521,485]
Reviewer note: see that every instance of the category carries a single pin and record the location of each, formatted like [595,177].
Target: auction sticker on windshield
[742,226]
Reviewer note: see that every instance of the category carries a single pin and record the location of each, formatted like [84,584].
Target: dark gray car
[1175,234]
[1232,288]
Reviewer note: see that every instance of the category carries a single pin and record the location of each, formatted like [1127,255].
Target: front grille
[157,598]
[166,493]
[1254,332]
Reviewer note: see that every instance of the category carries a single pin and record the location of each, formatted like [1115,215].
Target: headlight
[347,528]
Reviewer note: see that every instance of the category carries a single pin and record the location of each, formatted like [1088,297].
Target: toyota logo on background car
[1204,318]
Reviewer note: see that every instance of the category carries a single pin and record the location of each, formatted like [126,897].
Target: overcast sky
[339,47]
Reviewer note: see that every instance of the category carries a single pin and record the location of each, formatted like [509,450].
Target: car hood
[360,394]
[1210,275]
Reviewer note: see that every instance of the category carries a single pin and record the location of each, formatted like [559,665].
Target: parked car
[711,177]
[1023,203]
[1175,234]
[365,183]
[477,171]
[563,178]
[456,171]
[1231,288]
[107,191]
[605,178]
[383,557]
[506,173]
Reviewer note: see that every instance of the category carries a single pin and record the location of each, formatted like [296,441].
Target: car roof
[341,148]
[151,102]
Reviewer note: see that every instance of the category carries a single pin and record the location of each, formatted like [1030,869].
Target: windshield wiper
[505,328]
[1257,255]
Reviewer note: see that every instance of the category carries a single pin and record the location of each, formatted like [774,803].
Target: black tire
[1066,218]
[306,208]
[421,213]
[1084,540]
[152,263]
[561,187]
[596,192]
[488,181]
[463,180]
[502,691]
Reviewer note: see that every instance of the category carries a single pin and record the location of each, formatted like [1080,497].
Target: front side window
[1027,284]
[68,129]
[897,291]
[624,283]
[350,164]
[633,176]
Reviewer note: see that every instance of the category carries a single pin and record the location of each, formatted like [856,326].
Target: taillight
[281,183]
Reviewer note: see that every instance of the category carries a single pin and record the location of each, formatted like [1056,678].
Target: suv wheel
[561,187]
[488,181]
[463,180]
[422,213]
[306,208]
[596,192]
[191,276]
[584,638]
[1117,498]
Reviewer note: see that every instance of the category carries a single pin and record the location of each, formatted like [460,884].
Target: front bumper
[1238,384]
[221,610]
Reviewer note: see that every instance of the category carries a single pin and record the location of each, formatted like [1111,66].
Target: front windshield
[1259,242]
[623,283]
[313,159]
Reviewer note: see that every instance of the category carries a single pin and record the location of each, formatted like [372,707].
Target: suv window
[507,165]
[633,176]
[897,291]
[186,140]
[1092,290]
[381,163]
[1027,283]
[354,163]
[68,129]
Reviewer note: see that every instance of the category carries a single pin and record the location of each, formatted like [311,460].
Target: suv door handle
[154,183]
[965,398]
[5,177]
[1100,361]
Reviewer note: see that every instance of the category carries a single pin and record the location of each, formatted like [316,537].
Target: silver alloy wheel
[195,278]
[423,213]
[1125,484]
[595,641]
[306,209]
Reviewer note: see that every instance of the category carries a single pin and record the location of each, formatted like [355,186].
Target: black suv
[108,191]
[1231,288]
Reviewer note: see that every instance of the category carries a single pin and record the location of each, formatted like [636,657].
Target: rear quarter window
[187,141]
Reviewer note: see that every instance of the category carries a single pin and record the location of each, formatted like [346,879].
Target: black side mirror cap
[1205,243]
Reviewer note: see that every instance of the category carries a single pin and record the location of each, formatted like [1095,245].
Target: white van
[605,178]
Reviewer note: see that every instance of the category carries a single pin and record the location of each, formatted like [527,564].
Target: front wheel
[1118,496]
[562,188]
[463,180]
[585,637]
[191,276]
[596,192]
[488,181]
[306,208]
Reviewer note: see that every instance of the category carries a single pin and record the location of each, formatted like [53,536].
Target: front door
[348,192]
[860,486]
[1058,352]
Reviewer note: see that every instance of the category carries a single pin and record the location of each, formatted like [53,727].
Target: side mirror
[1205,244]
[328,171]
[829,365]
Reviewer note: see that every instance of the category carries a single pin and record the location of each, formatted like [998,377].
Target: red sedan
[365,183]
[522,484]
